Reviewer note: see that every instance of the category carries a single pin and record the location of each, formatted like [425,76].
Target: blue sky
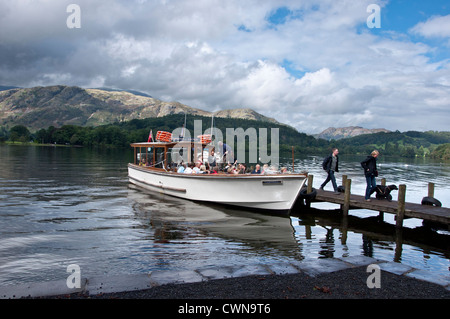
[311,64]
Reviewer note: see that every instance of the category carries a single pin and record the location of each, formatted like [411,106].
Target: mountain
[4,88]
[42,107]
[119,90]
[333,133]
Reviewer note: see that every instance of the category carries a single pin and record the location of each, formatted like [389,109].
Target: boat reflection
[174,218]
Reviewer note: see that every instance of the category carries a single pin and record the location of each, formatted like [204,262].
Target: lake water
[62,206]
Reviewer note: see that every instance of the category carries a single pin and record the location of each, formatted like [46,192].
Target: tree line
[120,135]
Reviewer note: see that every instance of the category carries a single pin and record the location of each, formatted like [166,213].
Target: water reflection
[189,235]
[263,232]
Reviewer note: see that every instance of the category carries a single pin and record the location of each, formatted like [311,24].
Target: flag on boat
[150,137]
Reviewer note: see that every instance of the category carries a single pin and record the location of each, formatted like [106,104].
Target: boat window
[144,158]
[159,159]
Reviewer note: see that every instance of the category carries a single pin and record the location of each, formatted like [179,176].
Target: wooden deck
[436,214]
[399,207]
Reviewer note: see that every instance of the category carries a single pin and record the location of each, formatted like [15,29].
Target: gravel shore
[343,284]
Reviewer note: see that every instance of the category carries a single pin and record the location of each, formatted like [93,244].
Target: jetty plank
[412,210]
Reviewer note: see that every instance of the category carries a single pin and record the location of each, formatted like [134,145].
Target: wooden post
[401,205]
[381,213]
[398,244]
[344,180]
[309,189]
[430,189]
[310,183]
[346,206]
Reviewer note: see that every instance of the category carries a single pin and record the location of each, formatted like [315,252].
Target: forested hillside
[406,144]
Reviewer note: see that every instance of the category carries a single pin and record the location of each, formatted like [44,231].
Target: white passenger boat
[274,192]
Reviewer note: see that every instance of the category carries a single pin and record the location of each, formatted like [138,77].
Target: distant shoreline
[40,144]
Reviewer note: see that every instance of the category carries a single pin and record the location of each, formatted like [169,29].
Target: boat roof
[165,144]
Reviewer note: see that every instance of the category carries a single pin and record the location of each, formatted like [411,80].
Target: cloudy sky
[311,64]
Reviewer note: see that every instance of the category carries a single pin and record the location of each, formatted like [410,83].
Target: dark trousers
[371,185]
[331,178]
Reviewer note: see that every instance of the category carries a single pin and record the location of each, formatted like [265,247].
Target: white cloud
[227,54]
[436,26]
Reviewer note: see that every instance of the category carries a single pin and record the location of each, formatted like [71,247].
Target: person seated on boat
[199,160]
[257,169]
[212,157]
[181,168]
[284,170]
[265,168]
[270,170]
[189,169]
[196,168]
[232,170]
[241,169]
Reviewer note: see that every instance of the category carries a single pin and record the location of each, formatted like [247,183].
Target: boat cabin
[159,154]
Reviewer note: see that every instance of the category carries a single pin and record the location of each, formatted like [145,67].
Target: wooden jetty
[399,207]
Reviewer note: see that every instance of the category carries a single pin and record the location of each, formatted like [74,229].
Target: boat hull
[261,192]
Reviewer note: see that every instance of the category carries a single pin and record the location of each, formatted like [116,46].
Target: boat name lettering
[272,182]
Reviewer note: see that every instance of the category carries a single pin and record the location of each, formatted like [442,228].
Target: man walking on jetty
[331,165]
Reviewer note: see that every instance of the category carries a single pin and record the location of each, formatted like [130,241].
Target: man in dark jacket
[370,171]
[331,165]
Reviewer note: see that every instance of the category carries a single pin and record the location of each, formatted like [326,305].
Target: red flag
[150,137]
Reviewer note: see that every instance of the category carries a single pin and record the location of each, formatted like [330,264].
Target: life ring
[431,201]
[205,139]
[308,196]
[163,136]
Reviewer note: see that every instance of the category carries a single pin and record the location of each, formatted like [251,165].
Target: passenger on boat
[284,170]
[232,170]
[189,169]
[181,168]
[269,170]
[196,169]
[199,160]
[257,169]
[212,158]
[241,169]
[265,168]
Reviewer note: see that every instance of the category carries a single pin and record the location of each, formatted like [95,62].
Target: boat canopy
[157,152]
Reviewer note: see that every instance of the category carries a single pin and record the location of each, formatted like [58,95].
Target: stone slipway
[125,283]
